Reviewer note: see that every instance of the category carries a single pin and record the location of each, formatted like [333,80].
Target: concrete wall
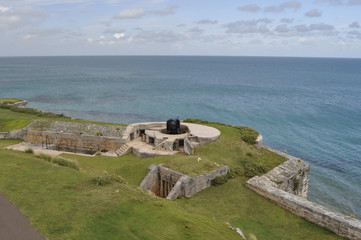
[73,142]
[188,148]
[192,185]
[87,129]
[336,222]
[287,186]
[177,184]
[16,134]
[291,176]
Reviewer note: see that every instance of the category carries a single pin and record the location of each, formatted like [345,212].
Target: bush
[248,135]
[44,157]
[65,163]
[29,150]
[108,179]
[251,169]
[223,179]
[98,133]
[296,184]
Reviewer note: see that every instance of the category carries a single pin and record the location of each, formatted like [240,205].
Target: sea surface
[309,107]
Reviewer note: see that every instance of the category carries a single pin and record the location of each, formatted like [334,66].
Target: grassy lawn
[62,203]
[9,100]
[10,120]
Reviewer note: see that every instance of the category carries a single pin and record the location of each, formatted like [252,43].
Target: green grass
[191,166]
[64,204]
[9,100]
[10,120]
[8,142]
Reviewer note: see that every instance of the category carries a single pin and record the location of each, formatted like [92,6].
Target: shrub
[223,179]
[248,135]
[98,133]
[251,169]
[29,150]
[107,179]
[296,184]
[65,163]
[44,157]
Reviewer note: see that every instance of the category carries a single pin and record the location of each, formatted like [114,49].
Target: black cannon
[173,126]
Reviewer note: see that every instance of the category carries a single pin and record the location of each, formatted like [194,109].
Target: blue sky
[316,28]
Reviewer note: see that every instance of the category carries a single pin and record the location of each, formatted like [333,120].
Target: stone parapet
[336,222]
[170,184]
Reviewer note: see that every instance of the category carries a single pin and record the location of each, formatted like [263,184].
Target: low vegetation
[9,100]
[32,111]
[107,180]
[12,120]
[192,166]
[66,204]
[65,163]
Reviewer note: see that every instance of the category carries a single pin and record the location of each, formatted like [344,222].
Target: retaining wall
[177,184]
[73,142]
[287,186]
[88,129]
[336,222]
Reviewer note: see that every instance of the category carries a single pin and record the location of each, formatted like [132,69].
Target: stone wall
[16,134]
[73,142]
[287,186]
[188,148]
[192,185]
[87,129]
[167,183]
[291,176]
[336,222]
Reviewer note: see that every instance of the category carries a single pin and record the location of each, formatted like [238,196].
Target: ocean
[309,107]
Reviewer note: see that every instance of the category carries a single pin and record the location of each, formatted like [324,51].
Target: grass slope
[10,120]
[62,203]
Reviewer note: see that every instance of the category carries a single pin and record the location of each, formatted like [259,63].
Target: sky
[315,28]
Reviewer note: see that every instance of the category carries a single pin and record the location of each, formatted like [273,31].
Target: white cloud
[4,9]
[165,11]
[164,36]
[313,13]
[314,27]
[196,30]
[42,33]
[284,6]
[207,21]
[354,2]
[286,20]
[249,8]
[14,18]
[119,35]
[131,13]
[355,25]
[283,28]
[140,12]
[248,26]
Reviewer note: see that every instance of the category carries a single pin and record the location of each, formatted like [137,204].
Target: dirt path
[14,225]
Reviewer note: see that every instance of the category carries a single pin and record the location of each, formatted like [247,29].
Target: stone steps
[122,150]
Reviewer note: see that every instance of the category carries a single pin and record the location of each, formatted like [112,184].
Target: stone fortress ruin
[286,185]
[143,139]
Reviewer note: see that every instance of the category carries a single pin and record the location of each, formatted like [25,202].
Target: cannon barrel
[173,126]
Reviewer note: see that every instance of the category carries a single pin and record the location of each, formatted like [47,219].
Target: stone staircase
[124,149]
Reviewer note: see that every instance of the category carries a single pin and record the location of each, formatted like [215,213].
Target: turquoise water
[310,107]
